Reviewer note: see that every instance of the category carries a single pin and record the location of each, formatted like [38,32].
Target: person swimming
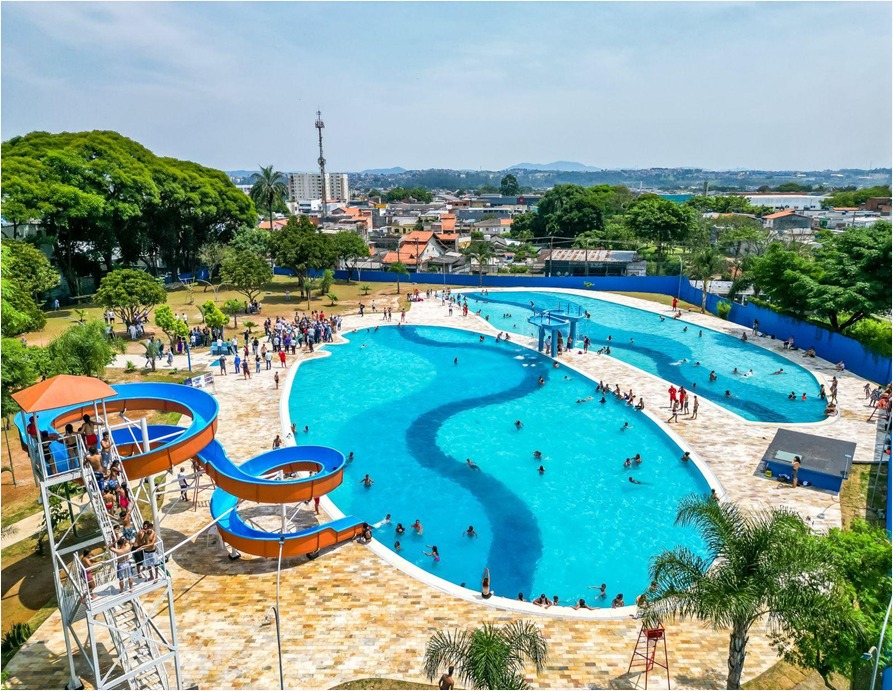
[634,481]
[433,553]
[367,481]
[537,455]
[679,362]
[471,464]
[779,371]
[603,400]
[625,427]
[470,532]
[584,400]
[400,529]
[541,470]
[713,376]
[686,457]
[628,463]
[518,423]
[728,394]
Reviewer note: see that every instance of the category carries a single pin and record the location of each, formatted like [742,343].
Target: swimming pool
[412,416]
[668,350]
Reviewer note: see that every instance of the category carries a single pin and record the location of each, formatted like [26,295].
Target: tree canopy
[853,197]
[724,204]
[420,194]
[84,349]
[249,239]
[129,293]
[167,321]
[508,186]
[247,272]
[26,275]
[660,221]
[300,246]
[349,248]
[101,198]
[846,280]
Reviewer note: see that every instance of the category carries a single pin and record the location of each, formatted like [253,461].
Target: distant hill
[567,166]
[383,171]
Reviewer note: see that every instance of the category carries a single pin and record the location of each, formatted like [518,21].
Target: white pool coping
[469,595]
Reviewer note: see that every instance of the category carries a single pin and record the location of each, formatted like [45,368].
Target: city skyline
[466,86]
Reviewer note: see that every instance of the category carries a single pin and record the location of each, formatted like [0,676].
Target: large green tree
[268,189]
[255,240]
[862,554]
[246,272]
[98,195]
[167,321]
[349,247]
[765,564]
[661,221]
[300,246]
[854,275]
[419,194]
[26,274]
[508,186]
[488,657]
[129,293]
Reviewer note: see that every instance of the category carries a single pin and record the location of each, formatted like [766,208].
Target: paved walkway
[349,614]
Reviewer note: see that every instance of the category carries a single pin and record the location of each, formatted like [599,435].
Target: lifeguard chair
[645,654]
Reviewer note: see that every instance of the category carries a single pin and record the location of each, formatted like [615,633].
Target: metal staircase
[118,640]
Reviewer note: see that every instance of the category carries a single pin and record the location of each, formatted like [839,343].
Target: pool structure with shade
[414,403]
[670,349]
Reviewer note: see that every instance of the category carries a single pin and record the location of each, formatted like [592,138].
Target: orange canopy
[60,391]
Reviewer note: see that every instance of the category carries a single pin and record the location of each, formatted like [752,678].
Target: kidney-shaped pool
[413,404]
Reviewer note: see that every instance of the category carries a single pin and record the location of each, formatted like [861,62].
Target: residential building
[790,226]
[303,186]
[416,249]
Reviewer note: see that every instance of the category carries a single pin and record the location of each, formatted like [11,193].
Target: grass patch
[34,622]
[382,684]
[659,298]
[15,511]
[856,491]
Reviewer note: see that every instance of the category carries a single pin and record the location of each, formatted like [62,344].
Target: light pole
[275,609]
[880,645]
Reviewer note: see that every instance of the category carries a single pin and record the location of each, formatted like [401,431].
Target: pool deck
[350,614]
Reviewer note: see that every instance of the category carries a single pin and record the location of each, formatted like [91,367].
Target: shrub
[365,288]
[518,269]
[588,284]
[875,334]
[16,636]
[333,298]
[325,281]
[722,309]
[129,366]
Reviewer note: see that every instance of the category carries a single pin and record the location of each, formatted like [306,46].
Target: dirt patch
[382,684]
[19,500]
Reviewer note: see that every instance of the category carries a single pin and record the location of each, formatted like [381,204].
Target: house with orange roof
[790,226]
[278,224]
[416,249]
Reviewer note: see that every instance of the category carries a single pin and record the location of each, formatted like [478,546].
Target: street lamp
[876,651]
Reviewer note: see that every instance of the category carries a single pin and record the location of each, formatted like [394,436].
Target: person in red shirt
[672,392]
[282,357]
[675,302]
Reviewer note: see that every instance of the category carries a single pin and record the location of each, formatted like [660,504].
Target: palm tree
[489,657]
[703,265]
[400,269]
[766,564]
[482,252]
[267,188]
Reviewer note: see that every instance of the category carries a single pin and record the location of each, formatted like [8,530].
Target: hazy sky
[461,85]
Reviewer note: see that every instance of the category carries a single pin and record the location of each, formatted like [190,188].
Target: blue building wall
[828,345]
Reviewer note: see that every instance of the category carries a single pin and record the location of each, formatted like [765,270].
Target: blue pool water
[659,347]
[412,417]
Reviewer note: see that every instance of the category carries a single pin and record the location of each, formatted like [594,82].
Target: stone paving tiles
[349,614]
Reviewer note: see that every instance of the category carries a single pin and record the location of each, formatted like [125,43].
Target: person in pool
[417,526]
[471,464]
[792,396]
[686,457]
[537,455]
[625,427]
[603,400]
[518,423]
[780,370]
[637,458]
[470,532]
[713,375]
[397,547]
[433,553]
[543,601]
[628,463]
[367,481]
[400,529]
[634,481]
[581,603]
[541,470]
[602,589]
[728,394]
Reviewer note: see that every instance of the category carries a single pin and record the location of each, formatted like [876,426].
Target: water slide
[254,480]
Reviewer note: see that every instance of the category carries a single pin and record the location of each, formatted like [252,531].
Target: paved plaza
[350,614]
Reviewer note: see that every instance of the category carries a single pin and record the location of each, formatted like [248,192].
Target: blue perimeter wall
[828,345]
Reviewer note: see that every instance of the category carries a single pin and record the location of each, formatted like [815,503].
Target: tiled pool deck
[349,614]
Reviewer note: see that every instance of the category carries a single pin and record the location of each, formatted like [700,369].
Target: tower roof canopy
[61,391]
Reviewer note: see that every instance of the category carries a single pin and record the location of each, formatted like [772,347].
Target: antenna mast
[322,165]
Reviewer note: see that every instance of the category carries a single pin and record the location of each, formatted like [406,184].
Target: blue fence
[828,345]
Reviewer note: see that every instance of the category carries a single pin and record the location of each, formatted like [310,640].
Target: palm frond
[446,648]
[526,639]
